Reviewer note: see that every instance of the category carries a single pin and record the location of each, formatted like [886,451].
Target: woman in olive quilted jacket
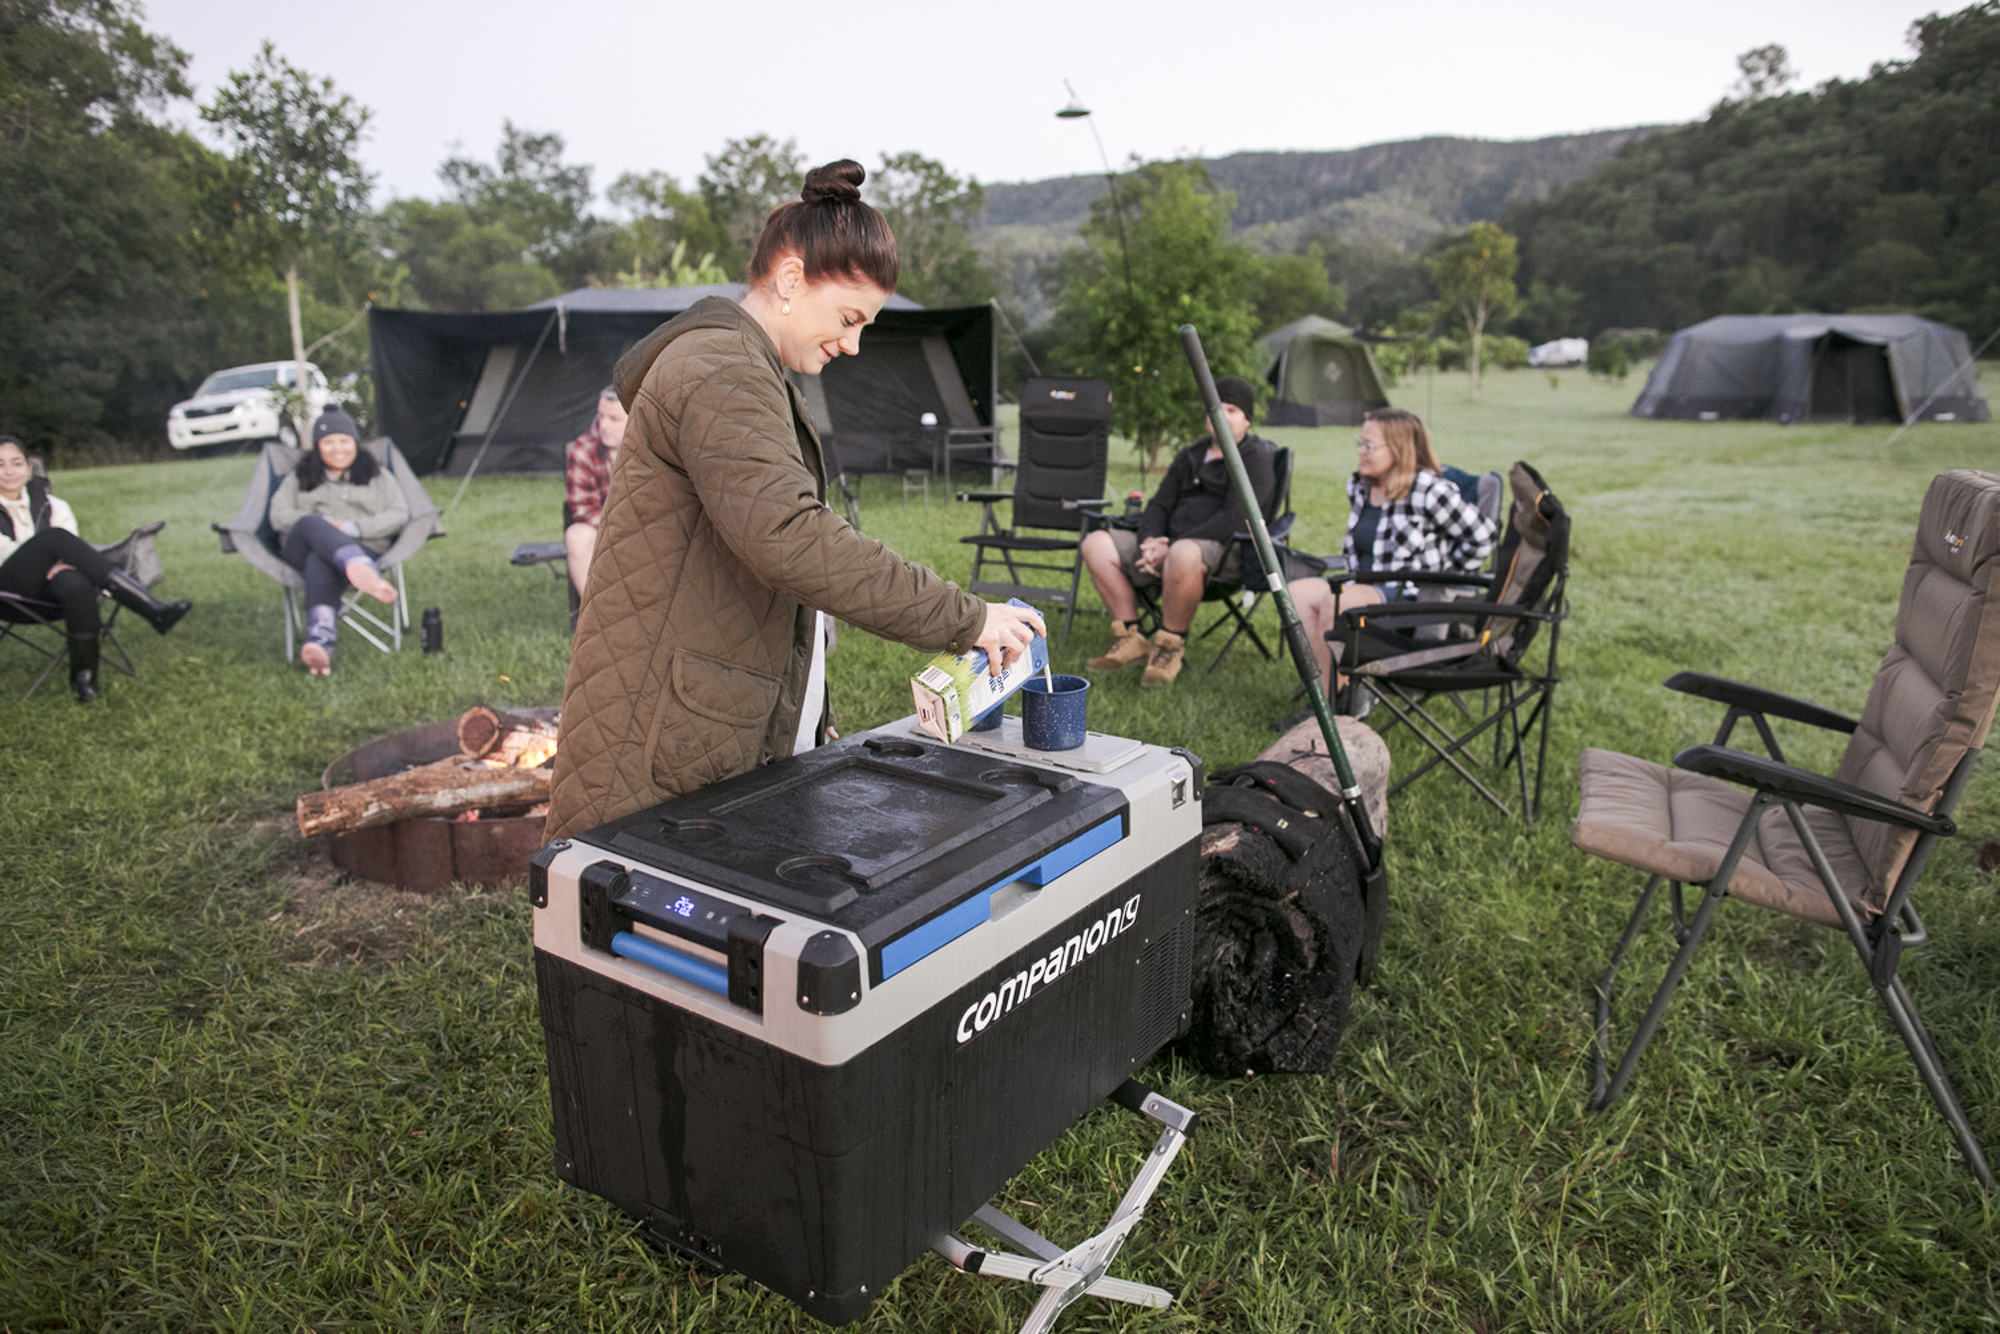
[699,651]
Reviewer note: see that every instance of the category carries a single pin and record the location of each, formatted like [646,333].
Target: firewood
[502,738]
[443,788]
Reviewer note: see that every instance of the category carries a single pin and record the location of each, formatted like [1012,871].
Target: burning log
[504,738]
[498,768]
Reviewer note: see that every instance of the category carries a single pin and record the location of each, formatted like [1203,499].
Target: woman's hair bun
[835,183]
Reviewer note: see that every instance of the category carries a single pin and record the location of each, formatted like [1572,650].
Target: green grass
[240,1093]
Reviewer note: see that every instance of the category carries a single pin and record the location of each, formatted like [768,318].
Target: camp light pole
[1076,110]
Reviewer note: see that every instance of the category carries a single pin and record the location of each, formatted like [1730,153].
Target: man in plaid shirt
[1402,515]
[586,477]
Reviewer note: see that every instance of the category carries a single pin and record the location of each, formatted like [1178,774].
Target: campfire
[501,763]
[452,802]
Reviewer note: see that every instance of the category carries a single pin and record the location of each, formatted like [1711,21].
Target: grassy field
[238,1092]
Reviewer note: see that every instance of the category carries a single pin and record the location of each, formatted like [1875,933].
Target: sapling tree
[1120,313]
[1475,279]
[298,177]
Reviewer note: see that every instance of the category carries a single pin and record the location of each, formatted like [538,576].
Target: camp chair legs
[1081,1270]
[1879,947]
[1512,723]
[356,615]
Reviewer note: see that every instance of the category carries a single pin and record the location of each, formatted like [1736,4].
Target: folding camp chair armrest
[228,538]
[985,497]
[1756,699]
[1466,610]
[1429,578]
[1782,780]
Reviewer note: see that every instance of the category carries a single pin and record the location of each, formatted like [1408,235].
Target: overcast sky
[636,87]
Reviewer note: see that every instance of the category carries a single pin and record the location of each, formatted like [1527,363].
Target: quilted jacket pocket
[723,692]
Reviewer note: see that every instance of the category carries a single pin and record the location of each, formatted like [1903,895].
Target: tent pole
[501,415]
[1033,369]
[1971,365]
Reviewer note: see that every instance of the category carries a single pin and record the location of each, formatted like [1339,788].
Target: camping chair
[1482,645]
[251,536]
[38,626]
[1845,851]
[1065,440]
[1239,596]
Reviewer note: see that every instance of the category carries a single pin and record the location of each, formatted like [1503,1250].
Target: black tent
[521,384]
[1796,368]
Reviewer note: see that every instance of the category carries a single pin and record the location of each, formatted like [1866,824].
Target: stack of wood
[503,760]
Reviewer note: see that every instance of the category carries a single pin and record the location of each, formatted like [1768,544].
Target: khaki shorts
[1220,559]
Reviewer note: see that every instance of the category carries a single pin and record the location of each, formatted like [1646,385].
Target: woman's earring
[786,309]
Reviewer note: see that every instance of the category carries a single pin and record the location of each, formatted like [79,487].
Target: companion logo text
[1016,989]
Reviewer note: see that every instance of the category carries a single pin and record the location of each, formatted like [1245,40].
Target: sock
[350,553]
[322,626]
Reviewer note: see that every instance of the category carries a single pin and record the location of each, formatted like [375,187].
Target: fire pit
[427,854]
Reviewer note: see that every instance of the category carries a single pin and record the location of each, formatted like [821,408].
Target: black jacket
[1194,499]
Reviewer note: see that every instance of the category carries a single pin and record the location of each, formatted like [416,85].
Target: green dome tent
[1323,375]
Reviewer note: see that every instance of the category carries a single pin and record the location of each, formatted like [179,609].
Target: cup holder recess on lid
[692,831]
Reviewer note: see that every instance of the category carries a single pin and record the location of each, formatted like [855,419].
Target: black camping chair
[1065,440]
[1240,593]
[1475,646]
[38,626]
[1844,851]
[251,536]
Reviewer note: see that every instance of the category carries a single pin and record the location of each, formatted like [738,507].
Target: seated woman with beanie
[338,508]
[41,557]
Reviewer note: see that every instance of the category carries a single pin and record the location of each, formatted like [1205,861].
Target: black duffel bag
[1278,924]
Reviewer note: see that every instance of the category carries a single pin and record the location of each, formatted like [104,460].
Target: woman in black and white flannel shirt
[1402,515]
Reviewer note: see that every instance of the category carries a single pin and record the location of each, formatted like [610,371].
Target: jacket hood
[711,312]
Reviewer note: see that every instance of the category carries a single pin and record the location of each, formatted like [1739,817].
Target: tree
[1762,72]
[508,233]
[1290,287]
[743,183]
[298,175]
[668,224]
[93,276]
[1851,194]
[931,211]
[1475,279]
[1183,271]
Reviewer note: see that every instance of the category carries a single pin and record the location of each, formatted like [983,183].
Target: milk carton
[955,688]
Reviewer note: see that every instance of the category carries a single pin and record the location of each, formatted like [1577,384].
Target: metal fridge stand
[1068,1275]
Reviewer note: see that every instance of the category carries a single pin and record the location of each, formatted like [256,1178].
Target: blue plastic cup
[1053,712]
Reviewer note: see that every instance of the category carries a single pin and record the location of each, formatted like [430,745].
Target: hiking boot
[1169,651]
[1127,647]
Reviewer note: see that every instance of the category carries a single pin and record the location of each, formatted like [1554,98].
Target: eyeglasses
[1363,445]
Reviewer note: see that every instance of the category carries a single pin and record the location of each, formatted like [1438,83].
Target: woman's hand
[1007,633]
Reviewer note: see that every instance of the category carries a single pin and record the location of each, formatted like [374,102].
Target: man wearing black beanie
[1183,537]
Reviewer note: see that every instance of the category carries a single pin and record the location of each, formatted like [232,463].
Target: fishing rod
[1367,843]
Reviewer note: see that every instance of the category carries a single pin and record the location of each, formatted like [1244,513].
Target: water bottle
[433,630]
[1134,502]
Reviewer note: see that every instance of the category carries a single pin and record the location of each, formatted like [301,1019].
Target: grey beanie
[334,422]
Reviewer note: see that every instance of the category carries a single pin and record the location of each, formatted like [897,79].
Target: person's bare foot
[317,660]
[364,576]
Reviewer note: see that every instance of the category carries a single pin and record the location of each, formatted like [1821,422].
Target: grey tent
[1322,374]
[1827,368]
[510,388]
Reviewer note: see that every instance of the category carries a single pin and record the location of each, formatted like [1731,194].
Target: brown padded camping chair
[1845,851]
